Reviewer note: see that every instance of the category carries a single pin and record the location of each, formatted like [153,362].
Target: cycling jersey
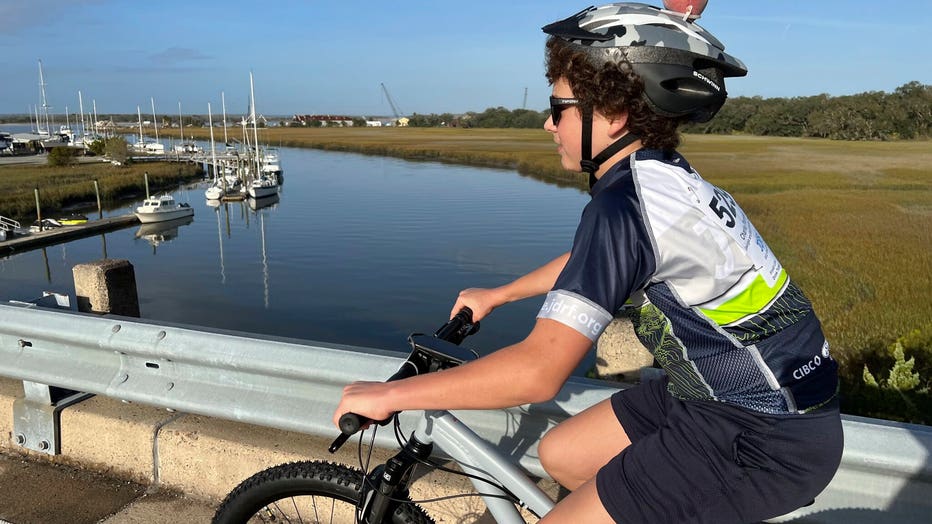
[706,295]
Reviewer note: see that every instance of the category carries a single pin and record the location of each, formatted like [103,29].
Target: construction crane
[391,102]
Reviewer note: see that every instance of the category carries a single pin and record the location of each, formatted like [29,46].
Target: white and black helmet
[682,65]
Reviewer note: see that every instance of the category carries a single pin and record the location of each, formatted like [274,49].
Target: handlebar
[458,328]
[424,358]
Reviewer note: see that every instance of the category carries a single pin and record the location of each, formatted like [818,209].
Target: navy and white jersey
[706,295]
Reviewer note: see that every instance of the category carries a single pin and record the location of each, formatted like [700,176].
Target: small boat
[262,187]
[187,148]
[161,208]
[214,192]
[271,167]
[73,220]
[44,224]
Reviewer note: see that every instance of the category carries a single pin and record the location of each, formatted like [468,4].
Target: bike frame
[440,429]
[477,456]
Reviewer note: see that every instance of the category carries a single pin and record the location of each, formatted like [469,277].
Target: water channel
[357,250]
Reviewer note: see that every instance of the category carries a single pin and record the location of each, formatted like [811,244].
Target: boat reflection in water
[227,213]
[263,202]
[157,233]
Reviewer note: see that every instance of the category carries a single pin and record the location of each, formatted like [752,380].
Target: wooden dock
[19,244]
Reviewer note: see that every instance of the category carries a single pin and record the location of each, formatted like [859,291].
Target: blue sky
[433,55]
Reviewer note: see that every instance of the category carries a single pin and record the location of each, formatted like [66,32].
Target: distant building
[325,120]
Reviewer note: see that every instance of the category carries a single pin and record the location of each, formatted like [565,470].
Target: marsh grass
[64,187]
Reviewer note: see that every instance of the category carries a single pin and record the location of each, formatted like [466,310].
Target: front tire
[318,492]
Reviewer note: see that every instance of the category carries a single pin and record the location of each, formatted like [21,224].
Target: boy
[745,425]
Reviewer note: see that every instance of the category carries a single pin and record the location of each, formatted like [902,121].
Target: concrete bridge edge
[204,457]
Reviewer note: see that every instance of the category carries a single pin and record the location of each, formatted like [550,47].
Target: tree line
[904,114]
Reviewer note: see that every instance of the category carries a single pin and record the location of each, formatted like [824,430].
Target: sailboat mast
[155,122]
[223,102]
[45,105]
[213,150]
[81,108]
[255,131]
[181,122]
[139,116]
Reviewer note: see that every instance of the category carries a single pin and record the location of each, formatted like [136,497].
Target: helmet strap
[591,165]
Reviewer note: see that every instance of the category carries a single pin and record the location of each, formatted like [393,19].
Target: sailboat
[263,184]
[140,144]
[218,187]
[185,147]
[47,138]
[155,148]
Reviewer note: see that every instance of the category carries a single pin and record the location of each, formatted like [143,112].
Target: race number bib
[723,209]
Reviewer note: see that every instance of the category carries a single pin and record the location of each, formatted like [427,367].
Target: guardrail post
[37,416]
[106,286]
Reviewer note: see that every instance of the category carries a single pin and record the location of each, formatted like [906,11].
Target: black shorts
[710,462]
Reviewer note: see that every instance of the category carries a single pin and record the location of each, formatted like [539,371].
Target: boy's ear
[618,125]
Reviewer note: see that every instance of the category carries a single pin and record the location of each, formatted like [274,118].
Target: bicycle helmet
[682,65]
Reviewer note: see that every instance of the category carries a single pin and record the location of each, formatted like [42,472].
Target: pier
[57,235]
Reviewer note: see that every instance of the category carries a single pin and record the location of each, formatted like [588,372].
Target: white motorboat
[271,166]
[161,208]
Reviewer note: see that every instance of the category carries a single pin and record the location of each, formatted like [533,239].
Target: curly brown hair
[612,88]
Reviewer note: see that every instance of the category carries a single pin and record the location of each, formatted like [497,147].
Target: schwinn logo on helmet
[705,79]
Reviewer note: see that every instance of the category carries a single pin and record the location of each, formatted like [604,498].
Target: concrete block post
[106,286]
[619,353]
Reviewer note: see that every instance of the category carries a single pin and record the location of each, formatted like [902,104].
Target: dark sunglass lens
[558,105]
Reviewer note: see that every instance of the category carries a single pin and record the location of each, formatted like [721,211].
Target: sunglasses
[557,105]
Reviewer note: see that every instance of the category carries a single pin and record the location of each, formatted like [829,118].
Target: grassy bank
[529,151]
[66,187]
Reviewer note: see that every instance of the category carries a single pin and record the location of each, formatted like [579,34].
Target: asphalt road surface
[36,491]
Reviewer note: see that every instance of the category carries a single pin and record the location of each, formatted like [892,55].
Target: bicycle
[321,490]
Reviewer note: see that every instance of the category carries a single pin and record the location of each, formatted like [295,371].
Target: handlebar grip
[452,331]
[351,422]
[455,330]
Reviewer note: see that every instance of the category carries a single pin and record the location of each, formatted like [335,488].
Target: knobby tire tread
[325,479]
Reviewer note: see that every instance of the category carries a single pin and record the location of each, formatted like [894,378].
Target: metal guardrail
[885,476]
